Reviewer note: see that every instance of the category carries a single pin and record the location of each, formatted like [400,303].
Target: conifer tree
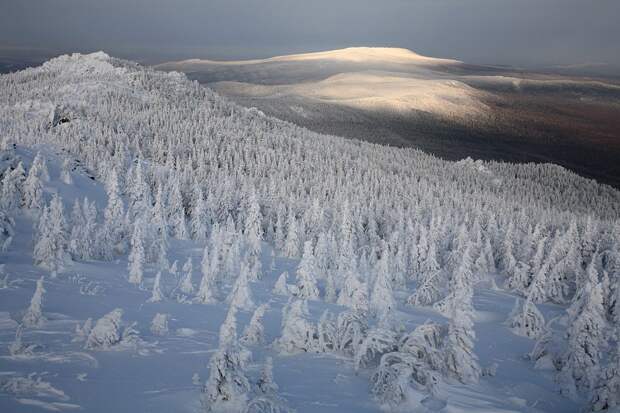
[114,213]
[198,219]
[382,299]
[291,244]
[51,244]
[137,255]
[306,275]
[186,285]
[65,172]
[461,361]
[33,317]
[176,211]
[241,295]
[207,292]
[254,333]
[156,293]
[33,190]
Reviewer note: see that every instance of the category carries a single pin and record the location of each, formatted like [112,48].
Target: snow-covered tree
[18,348]
[11,188]
[306,275]
[106,332]
[354,293]
[227,387]
[65,172]
[265,383]
[526,320]
[198,218]
[606,393]
[33,317]
[137,256]
[83,331]
[397,376]
[114,214]
[281,287]
[176,215]
[254,332]
[460,290]
[377,342]
[51,242]
[586,332]
[252,230]
[298,333]
[428,290]
[159,229]
[159,325]
[291,244]
[241,295]
[186,285]
[40,165]
[382,301]
[156,293]
[33,190]
[267,399]
[207,291]
[461,361]
[331,291]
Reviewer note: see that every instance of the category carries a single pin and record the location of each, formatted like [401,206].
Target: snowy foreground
[164,250]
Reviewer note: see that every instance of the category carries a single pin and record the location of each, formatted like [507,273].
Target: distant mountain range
[446,107]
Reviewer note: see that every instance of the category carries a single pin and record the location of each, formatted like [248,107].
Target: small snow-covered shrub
[106,332]
[83,331]
[31,385]
[159,325]
[18,348]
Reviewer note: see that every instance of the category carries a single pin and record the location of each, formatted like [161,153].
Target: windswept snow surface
[105,114]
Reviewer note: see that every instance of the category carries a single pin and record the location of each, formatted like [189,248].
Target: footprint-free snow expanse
[158,373]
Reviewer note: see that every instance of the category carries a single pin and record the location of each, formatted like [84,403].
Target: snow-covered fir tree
[241,294]
[281,286]
[51,243]
[227,386]
[525,319]
[33,317]
[254,333]
[137,255]
[156,292]
[306,275]
[207,291]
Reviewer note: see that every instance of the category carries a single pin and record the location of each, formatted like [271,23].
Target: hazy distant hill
[446,107]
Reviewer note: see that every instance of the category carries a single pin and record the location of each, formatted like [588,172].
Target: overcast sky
[515,32]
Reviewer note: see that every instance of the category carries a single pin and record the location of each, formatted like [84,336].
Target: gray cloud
[517,32]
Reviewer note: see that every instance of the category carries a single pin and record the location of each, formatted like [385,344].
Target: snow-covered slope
[414,284]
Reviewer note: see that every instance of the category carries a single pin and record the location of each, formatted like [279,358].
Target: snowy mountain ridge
[251,252]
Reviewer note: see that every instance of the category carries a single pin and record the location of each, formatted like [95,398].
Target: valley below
[444,107]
